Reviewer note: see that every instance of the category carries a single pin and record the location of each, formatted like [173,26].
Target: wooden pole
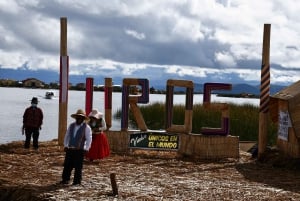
[264,92]
[114,184]
[89,90]
[108,102]
[64,82]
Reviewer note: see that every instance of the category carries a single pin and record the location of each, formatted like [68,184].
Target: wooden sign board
[154,140]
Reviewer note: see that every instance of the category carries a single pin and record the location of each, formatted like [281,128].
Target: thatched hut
[285,111]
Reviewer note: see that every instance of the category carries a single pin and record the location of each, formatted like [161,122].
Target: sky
[198,40]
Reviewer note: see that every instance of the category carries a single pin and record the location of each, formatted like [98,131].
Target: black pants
[35,136]
[73,159]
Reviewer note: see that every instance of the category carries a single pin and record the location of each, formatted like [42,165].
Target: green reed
[244,119]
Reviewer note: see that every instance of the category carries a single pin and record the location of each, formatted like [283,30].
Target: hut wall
[292,146]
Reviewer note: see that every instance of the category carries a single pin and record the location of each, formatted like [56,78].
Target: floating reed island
[27,175]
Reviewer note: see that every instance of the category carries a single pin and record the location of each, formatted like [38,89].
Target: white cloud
[283,76]
[12,5]
[186,71]
[188,29]
[135,34]
[225,59]
[174,35]
[9,60]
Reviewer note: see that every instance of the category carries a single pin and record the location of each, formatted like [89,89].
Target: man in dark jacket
[32,123]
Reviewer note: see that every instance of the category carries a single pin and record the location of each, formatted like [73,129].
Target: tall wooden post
[264,92]
[89,90]
[64,82]
[108,102]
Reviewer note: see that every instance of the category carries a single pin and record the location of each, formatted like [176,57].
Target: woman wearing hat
[76,143]
[100,147]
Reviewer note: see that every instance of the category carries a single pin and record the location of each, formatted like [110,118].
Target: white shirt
[88,136]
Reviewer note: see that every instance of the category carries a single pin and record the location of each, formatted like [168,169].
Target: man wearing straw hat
[77,142]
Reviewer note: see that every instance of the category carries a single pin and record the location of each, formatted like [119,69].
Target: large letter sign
[132,100]
[224,130]
[187,127]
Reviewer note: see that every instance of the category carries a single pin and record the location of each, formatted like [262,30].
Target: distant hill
[236,89]
[22,74]
[48,76]
[243,88]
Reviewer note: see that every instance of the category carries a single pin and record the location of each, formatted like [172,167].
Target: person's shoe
[76,183]
[64,182]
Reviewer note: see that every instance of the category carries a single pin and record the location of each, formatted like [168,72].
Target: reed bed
[30,175]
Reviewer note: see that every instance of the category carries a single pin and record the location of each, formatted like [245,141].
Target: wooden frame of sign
[188,117]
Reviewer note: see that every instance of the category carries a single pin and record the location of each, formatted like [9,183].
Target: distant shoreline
[119,90]
[242,95]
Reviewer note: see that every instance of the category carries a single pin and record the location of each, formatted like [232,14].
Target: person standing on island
[100,147]
[32,123]
[77,143]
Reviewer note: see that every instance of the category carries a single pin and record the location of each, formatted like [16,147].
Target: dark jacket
[32,118]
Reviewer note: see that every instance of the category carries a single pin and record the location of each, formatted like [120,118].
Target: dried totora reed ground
[146,175]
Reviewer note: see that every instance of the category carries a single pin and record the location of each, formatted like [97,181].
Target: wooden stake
[114,184]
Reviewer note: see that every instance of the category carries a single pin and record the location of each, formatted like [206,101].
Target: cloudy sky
[201,40]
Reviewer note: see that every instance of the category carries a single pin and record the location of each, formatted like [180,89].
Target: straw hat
[79,113]
[96,114]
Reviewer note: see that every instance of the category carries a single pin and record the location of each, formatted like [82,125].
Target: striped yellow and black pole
[264,92]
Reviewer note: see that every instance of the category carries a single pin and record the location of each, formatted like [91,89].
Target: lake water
[15,100]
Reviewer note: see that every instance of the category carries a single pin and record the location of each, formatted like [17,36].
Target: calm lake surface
[15,100]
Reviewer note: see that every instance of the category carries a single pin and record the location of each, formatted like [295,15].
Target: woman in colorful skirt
[100,147]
